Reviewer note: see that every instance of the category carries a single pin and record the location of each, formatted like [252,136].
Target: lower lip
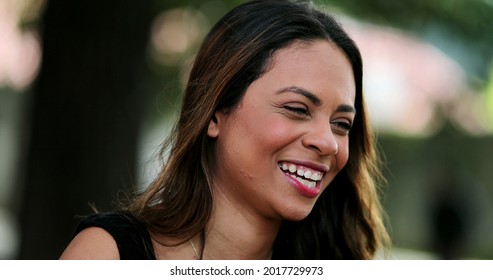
[302,189]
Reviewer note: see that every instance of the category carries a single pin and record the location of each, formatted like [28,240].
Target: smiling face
[288,138]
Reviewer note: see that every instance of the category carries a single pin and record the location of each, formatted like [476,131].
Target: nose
[321,140]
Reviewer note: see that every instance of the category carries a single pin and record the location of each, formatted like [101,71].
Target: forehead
[318,66]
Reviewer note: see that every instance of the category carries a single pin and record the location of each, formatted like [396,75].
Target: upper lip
[310,164]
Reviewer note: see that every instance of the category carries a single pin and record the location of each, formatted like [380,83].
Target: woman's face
[288,138]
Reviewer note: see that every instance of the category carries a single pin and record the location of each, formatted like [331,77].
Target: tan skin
[297,114]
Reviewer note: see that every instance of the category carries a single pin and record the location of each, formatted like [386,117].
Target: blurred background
[89,89]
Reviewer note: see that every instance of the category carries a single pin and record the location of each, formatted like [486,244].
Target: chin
[296,214]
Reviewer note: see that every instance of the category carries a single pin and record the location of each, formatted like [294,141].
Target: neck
[236,234]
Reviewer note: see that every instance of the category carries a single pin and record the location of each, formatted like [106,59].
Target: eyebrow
[346,109]
[314,99]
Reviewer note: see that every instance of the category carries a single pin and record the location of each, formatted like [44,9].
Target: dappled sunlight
[20,53]
[175,33]
[20,59]
[408,83]
[488,100]
[9,242]
[470,112]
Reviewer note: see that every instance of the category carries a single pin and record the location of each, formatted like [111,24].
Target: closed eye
[298,110]
[342,127]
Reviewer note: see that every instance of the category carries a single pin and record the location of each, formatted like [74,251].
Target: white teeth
[303,181]
[312,185]
[292,168]
[284,166]
[302,173]
[306,183]
[315,176]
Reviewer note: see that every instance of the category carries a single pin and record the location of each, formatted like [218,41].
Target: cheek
[343,153]
[271,134]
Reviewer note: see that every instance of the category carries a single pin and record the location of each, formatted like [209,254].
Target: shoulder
[92,243]
[115,235]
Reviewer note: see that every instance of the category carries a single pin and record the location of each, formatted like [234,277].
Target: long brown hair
[346,222]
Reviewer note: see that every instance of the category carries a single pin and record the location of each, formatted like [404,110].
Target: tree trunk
[84,118]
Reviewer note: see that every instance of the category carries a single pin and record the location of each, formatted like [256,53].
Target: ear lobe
[213,129]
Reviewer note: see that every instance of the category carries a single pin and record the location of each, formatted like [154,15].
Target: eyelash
[301,111]
[344,126]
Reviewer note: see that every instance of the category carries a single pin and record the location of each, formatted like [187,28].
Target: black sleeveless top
[131,236]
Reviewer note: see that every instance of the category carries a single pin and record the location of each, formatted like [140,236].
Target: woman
[272,155]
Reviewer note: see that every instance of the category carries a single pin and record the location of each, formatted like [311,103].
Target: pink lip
[302,189]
